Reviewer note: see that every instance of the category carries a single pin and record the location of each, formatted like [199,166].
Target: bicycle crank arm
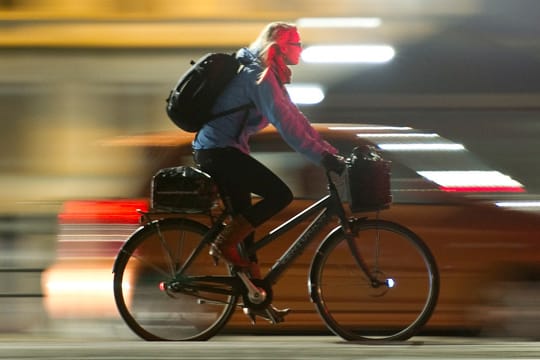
[255,295]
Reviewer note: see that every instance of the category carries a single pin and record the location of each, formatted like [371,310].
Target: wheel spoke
[149,264]
[148,261]
[169,259]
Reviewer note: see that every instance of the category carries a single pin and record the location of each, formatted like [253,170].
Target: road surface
[263,347]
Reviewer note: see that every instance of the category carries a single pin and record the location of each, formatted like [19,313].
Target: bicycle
[167,286]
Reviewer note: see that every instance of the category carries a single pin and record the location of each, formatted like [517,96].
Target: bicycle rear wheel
[393,307]
[153,255]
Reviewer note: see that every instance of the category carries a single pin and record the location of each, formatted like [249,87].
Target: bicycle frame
[327,207]
[300,244]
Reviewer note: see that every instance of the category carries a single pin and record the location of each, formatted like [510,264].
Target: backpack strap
[244,122]
[233,110]
[244,107]
[237,108]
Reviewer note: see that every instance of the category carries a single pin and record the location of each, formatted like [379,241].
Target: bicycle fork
[371,275]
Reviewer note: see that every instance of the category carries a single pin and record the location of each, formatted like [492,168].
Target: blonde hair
[267,47]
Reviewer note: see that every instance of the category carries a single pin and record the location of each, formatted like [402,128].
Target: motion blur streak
[82,89]
[348,54]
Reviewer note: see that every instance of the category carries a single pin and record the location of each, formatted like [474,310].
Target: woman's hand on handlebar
[335,163]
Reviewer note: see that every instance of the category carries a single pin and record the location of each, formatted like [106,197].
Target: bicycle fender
[150,227]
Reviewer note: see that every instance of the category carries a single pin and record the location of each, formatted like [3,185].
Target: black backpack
[190,102]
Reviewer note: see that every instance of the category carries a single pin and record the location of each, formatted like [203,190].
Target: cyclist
[221,147]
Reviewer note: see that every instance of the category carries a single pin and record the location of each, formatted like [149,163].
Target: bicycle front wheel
[154,255]
[381,283]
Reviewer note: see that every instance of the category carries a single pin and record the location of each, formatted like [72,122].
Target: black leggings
[238,175]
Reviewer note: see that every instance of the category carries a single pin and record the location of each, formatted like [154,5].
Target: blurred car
[440,191]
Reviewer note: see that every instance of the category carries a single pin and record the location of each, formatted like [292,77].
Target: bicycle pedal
[271,314]
[277,315]
[250,315]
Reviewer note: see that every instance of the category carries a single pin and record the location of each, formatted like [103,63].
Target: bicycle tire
[346,300]
[145,261]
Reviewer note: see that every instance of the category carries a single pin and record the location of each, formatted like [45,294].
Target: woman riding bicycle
[221,147]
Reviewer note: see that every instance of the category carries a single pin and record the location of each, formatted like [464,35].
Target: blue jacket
[272,105]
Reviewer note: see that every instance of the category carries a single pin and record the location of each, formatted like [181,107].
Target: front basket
[368,180]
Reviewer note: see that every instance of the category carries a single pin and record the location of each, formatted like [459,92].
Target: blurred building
[76,74]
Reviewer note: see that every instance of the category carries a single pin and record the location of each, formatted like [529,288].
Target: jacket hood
[246,56]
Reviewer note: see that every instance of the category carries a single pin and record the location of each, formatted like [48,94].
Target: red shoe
[225,245]
[230,254]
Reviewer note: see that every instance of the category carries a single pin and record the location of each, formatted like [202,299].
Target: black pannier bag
[369,180]
[183,189]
